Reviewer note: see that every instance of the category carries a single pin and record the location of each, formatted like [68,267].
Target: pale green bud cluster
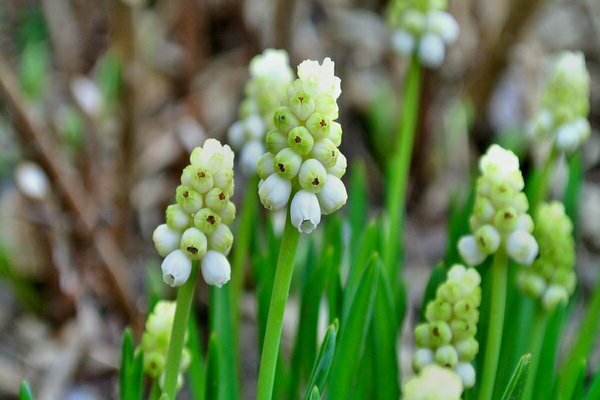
[565,104]
[422,27]
[270,75]
[155,342]
[433,383]
[448,336]
[551,277]
[303,153]
[500,212]
[197,224]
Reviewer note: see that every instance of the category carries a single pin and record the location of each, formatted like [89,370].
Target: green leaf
[516,384]
[127,349]
[357,204]
[212,368]
[546,372]
[25,392]
[197,370]
[573,190]
[314,394]
[594,390]
[580,381]
[320,370]
[353,333]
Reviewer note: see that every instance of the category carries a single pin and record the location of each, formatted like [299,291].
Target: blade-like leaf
[320,371]
[594,390]
[127,350]
[212,368]
[197,370]
[25,392]
[546,372]
[517,381]
[314,394]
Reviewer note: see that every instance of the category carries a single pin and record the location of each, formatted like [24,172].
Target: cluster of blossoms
[551,278]
[155,342]
[422,27]
[565,104]
[270,75]
[303,155]
[433,383]
[448,336]
[500,213]
[197,224]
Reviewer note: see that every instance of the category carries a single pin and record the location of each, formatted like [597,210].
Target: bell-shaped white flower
[444,25]
[235,135]
[522,247]
[470,251]
[305,212]
[254,127]
[466,373]
[272,64]
[176,268]
[567,138]
[322,76]
[422,358]
[165,239]
[433,382]
[333,195]
[431,50]
[251,153]
[274,192]
[216,269]
[555,294]
[403,42]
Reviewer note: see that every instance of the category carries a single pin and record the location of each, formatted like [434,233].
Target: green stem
[399,166]
[498,286]
[155,390]
[542,182]
[535,348]
[185,296]
[279,295]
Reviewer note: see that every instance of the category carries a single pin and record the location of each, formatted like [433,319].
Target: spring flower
[564,104]
[196,225]
[433,383]
[155,341]
[447,338]
[422,27]
[499,216]
[31,180]
[303,152]
[270,74]
[551,278]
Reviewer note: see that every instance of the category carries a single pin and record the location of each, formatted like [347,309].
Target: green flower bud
[488,239]
[154,363]
[302,104]
[506,219]
[325,151]
[422,358]
[228,213]
[450,291]
[224,180]
[554,295]
[221,240]
[312,175]
[467,349]
[465,309]
[532,284]
[287,163]
[216,199]
[438,310]
[422,335]
[318,124]
[193,243]
[177,218]
[285,120]
[446,356]
[300,140]
[264,168]
[276,141]
[199,179]
[462,329]
[484,209]
[439,333]
[326,104]
[339,169]
[207,220]
[188,199]
[335,133]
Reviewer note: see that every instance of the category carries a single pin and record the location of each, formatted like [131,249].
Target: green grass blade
[580,381]
[314,394]
[516,384]
[546,372]
[594,390]
[126,388]
[212,368]
[357,205]
[197,370]
[320,370]
[25,392]
[353,333]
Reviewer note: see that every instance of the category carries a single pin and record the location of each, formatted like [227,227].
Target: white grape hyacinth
[196,227]
[303,161]
[270,74]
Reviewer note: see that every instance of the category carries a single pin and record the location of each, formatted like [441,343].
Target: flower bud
[403,42]
[422,335]
[228,213]
[305,212]
[287,163]
[335,133]
[285,120]
[276,141]
[300,140]
[216,199]
[264,167]
[165,239]
[215,268]
[446,356]
[275,192]
[522,247]
[325,151]
[235,135]
[251,153]
[506,219]
[483,209]
[318,124]
[199,179]
[439,333]
[326,105]
[177,218]
[438,310]
[333,195]
[224,179]
[154,363]
[207,220]
[444,25]
[176,268]
[533,284]
[188,199]
[467,349]
[488,239]
[254,127]
[302,104]
[193,243]
[339,169]
[221,240]
[470,251]
[312,175]
[422,358]
[462,329]
[524,223]
[466,373]
[433,382]
[431,50]
[554,295]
